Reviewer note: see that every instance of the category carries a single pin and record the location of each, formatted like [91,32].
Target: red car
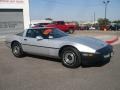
[66,27]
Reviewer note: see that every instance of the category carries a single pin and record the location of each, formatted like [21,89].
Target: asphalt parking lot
[40,73]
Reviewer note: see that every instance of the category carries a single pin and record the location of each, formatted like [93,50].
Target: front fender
[80,47]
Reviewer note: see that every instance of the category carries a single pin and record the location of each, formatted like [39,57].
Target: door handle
[25,39]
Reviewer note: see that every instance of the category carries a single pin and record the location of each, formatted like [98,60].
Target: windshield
[56,33]
[45,33]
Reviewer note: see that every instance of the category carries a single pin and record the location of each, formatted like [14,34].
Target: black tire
[71,31]
[17,50]
[71,57]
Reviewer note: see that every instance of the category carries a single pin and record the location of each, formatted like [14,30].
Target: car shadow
[85,65]
[44,58]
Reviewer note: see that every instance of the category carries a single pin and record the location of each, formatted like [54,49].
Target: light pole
[106,4]
[94,18]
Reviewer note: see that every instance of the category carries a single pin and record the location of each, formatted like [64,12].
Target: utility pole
[94,18]
[106,4]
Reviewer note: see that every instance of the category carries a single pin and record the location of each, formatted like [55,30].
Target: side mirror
[39,38]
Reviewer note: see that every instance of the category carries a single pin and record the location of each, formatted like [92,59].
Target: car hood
[85,40]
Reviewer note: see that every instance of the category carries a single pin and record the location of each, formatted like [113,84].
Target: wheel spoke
[16,50]
[69,58]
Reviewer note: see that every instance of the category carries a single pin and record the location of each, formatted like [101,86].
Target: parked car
[63,26]
[115,27]
[83,27]
[92,28]
[40,25]
[72,50]
[104,27]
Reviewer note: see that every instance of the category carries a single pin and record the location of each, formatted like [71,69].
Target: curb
[112,40]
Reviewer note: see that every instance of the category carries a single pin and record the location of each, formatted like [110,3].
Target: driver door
[34,46]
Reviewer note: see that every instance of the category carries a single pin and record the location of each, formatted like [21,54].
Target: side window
[33,33]
[30,33]
[38,33]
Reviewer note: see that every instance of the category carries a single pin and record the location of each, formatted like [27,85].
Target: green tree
[116,21]
[102,21]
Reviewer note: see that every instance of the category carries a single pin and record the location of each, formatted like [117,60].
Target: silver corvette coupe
[51,42]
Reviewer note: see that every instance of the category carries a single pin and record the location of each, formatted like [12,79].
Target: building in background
[14,15]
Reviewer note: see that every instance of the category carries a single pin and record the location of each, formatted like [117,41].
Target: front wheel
[17,50]
[71,31]
[71,57]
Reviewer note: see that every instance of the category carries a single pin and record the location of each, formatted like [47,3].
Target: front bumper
[101,55]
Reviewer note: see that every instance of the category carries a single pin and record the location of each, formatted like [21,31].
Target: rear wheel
[71,57]
[71,31]
[17,50]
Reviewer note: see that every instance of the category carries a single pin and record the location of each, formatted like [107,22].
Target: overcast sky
[80,10]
